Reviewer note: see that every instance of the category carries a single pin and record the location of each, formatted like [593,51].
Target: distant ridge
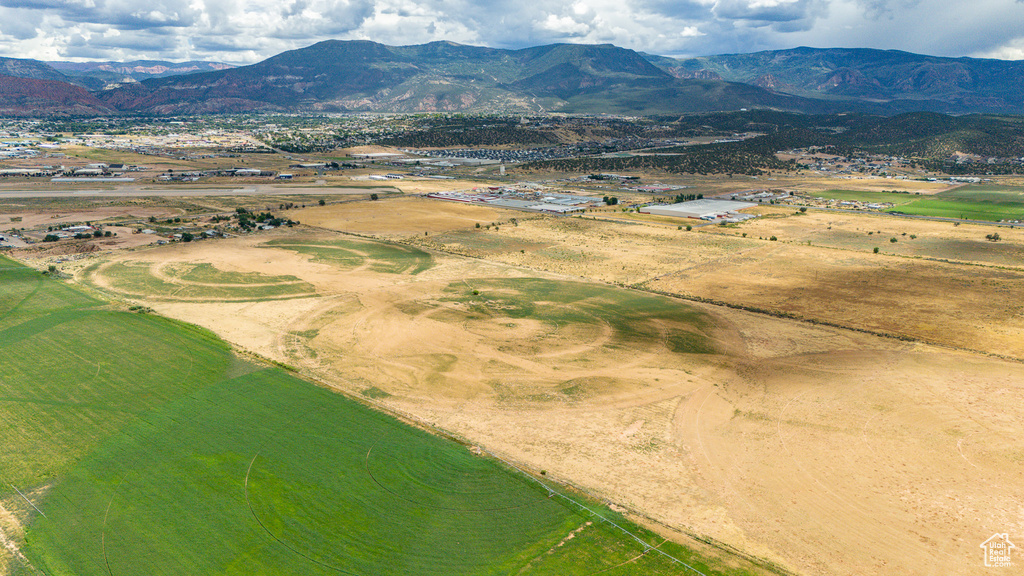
[954,85]
[444,76]
[100,74]
[20,97]
[340,76]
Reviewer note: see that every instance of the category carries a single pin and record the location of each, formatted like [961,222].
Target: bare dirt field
[824,450]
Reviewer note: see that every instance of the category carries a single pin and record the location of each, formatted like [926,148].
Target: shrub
[876,249]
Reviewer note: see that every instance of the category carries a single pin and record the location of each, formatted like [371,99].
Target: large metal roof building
[705,208]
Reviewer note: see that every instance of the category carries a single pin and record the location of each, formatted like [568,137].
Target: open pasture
[630,319]
[963,210]
[182,281]
[864,232]
[750,427]
[972,301]
[972,307]
[350,253]
[971,202]
[968,202]
[402,217]
[187,459]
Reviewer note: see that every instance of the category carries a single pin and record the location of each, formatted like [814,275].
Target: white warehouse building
[705,209]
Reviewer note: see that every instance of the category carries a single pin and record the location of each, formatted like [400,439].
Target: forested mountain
[443,76]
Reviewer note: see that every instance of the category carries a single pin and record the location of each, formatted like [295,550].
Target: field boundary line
[421,423]
[27,500]
[552,492]
[816,322]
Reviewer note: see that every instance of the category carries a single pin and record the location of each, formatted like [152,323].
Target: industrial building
[704,209]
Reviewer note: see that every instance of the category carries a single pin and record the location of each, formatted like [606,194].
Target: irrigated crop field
[820,449]
[970,202]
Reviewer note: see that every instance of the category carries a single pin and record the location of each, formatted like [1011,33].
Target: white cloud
[1012,50]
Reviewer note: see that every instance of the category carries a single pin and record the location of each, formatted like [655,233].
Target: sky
[246,31]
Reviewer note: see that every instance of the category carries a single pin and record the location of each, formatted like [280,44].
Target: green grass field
[198,282]
[149,448]
[964,210]
[344,253]
[972,202]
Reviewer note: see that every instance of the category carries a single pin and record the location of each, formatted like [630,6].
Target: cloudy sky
[245,31]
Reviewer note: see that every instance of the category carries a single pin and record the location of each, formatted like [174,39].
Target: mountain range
[338,76]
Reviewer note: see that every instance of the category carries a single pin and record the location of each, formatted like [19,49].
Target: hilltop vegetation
[928,139]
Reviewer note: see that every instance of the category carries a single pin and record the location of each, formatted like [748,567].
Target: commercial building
[704,209]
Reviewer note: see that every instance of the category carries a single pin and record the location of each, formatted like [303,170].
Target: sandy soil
[825,450]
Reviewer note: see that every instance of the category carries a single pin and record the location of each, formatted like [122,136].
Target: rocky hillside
[899,80]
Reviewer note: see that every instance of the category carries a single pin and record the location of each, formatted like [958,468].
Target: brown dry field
[43,218]
[825,450]
[428,185]
[400,217]
[869,184]
[974,302]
